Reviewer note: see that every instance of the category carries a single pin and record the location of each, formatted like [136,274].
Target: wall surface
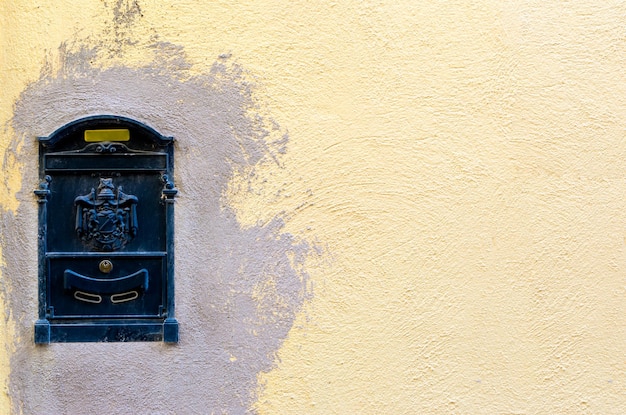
[403,207]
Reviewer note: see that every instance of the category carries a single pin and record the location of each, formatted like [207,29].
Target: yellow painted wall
[462,165]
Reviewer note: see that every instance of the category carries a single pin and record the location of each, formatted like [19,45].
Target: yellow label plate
[92,136]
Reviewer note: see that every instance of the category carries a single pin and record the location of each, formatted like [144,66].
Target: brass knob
[106,266]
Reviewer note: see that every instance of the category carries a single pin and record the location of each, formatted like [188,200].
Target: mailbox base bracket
[106,331]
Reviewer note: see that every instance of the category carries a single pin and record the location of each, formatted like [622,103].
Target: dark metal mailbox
[106,233]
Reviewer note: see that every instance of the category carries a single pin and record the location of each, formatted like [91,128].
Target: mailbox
[106,233]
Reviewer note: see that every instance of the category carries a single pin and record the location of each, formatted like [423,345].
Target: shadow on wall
[237,290]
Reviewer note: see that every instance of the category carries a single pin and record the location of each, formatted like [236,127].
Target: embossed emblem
[106,218]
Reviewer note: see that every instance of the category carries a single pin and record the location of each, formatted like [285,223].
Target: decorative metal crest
[106,218]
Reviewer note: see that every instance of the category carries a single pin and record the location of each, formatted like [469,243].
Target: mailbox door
[106,233]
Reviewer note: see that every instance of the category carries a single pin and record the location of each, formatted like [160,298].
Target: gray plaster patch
[125,13]
[238,289]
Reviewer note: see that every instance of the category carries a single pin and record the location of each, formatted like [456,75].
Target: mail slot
[106,233]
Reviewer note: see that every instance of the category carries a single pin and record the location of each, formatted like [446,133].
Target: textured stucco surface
[238,288]
[461,164]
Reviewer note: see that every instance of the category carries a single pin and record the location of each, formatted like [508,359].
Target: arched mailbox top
[71,135]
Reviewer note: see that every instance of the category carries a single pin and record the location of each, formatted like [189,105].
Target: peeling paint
[125,14]
[7,338]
